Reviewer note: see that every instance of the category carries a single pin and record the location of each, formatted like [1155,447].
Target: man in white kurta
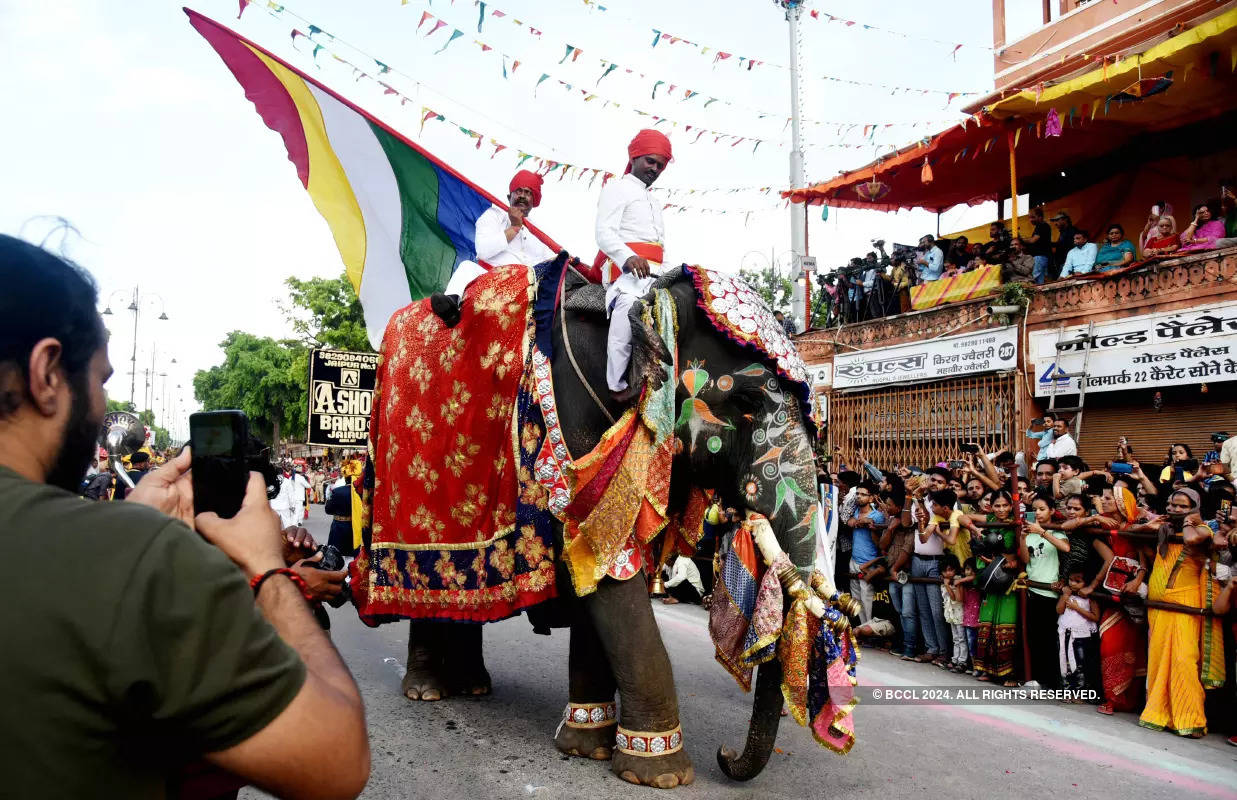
[500,238]
[630,236]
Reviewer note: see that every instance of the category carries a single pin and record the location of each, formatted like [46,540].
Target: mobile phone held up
[220,471]
[1121,468]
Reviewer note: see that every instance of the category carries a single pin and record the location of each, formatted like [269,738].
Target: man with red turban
[500,238]
[630,237]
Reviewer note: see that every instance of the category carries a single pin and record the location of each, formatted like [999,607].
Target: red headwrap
[648,142]
[530,181]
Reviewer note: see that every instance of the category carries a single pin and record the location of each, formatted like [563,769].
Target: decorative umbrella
[872,190]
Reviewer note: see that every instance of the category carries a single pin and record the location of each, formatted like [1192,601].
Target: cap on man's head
[1061,215]
[531,181]
[648,142]
[140,457]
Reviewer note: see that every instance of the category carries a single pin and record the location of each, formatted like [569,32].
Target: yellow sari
[1186,653]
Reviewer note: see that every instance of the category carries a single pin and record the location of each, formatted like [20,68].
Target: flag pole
[798,221]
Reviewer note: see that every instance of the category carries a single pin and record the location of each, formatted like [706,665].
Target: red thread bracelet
[256,582]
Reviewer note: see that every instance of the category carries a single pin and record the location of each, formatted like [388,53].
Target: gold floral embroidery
[492,354]
[420,374]
[532,493]
[422,471]
[540,578]
[508,361]
[530,438]
[422,518]
[503,517]
[500,463]
[529,546]
[466,511]
[460,397]
[478,569]
[499,408]
[461,457]
[449,354]
[502,559]
[420,423]
[390,566]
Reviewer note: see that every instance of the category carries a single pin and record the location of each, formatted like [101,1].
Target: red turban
[648,142]
[530,181]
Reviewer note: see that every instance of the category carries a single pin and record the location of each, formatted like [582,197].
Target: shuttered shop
[1186,415]
[922,424]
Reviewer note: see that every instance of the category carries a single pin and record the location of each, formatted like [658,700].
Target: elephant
[741,434]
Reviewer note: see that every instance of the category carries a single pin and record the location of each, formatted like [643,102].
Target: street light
[135,305]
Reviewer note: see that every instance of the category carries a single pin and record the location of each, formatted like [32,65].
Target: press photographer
[138,645]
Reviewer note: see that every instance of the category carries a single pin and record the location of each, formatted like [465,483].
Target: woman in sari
[1161,242]
[1186,655]
[1203,230]
[998,614]
[1123,634]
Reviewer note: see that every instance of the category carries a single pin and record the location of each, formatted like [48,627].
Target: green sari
[998,630]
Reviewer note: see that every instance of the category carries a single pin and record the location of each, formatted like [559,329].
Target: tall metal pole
[136,308]
[798,221]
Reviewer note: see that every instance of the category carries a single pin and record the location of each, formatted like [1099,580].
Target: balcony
[1168,285]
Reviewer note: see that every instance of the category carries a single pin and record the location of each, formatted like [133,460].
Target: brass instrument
[123,434]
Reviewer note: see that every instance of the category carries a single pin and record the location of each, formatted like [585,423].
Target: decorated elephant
[603,495]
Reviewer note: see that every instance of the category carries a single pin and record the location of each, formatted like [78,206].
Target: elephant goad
[505,478]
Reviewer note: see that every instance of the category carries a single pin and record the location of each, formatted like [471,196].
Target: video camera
[333,561]
[1219,437]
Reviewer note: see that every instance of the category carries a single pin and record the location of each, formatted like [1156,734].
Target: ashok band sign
[1198,345]
[341,396]
[991,350]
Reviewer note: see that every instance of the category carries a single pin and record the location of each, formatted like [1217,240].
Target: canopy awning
[1187,78]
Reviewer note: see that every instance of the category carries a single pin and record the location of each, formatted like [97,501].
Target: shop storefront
[917,403]
[1154,378]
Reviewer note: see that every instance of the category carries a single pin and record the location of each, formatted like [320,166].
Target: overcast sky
[121,119]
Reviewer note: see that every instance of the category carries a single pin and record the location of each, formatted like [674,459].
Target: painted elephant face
[745,438]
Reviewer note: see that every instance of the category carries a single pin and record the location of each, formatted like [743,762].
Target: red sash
[606,271]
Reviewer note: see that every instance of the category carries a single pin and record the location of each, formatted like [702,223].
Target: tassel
[1052,125]
[925,174]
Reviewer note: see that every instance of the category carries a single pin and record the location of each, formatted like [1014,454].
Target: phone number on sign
[978,695]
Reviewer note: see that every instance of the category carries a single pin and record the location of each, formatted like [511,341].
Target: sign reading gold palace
[1198,345]
[989,350]
[341,396]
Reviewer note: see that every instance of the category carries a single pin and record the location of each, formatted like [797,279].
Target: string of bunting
[318,36]
[745,63]
[850,23]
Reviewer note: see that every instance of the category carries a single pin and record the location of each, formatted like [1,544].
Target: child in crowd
[1067,480]
[971,599]
[1076,623]
[953,597]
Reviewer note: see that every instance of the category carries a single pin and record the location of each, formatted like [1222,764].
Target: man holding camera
[138,645]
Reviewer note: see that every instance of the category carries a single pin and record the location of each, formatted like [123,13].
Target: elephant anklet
[641,743]
[591,715]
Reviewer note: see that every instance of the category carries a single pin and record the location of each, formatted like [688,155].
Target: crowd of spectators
[878,284]
[1036,568]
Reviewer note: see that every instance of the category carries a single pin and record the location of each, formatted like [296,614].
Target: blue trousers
[1039,269]
[903,600]
[929,606]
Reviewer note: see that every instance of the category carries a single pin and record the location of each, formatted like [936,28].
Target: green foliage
[120,405]
[325,312]
[266,378]
[771,286]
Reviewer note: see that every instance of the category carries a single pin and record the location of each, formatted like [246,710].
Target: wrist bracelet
[256,582]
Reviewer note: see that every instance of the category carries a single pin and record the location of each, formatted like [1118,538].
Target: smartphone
[969,447]
[1120,468]
[220,472]
[1124,442]
[957,464]
[1225,510]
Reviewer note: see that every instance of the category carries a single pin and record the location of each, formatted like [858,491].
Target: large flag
[403,220]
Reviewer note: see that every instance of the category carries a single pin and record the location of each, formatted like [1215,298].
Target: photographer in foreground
[135,646]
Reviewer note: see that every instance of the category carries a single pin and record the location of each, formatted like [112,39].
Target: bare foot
[670,601]
[422,686]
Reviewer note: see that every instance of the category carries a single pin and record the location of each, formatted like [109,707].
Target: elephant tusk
[822,592]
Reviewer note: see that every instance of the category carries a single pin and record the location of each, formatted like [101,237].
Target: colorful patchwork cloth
[974,283]
[459,525]
[749,625]
[619,491]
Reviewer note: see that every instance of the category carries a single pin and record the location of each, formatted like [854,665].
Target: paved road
[500,747]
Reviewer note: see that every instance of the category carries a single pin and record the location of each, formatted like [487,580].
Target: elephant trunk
[761,731]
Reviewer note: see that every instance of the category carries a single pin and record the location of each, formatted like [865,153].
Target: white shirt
[1063,446]
[627,212]
[684,569]
[1079,260]
[494,249]
[931,264]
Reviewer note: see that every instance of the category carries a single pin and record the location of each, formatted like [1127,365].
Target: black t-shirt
[1044,246]
[1063,245]
[131,646]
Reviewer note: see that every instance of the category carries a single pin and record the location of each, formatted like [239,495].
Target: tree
[120,405]
[266,378]
[771,286]
[325,312]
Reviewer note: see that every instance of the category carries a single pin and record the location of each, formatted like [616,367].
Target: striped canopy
[403,220]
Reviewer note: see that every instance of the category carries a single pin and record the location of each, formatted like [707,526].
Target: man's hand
[637,266]
[323,586]
[516,215]
[297,544]
[168,489]
[252,538]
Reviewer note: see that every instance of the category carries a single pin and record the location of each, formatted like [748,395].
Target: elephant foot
[594,743]
[474,682]
[422,686]
[640,758]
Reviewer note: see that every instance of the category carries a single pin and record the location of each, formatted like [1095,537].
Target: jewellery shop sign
[341,395]
[991,350]
[1198,345]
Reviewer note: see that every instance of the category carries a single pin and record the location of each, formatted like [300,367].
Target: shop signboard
[990,350]
[341,396]
[1198,345]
